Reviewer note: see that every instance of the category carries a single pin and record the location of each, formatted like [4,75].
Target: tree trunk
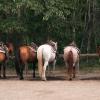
[90,24]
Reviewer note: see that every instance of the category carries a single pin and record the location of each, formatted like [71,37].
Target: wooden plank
[85,55]
[89,55]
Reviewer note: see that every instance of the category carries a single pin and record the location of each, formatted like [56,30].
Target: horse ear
[56,43]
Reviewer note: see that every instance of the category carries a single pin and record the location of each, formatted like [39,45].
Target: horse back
[26,54]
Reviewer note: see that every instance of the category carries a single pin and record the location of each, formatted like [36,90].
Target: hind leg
[54,63]
[40,68]
[0,70]
[70,71]
[21,72]
[34,66]
[44,71]
[26,70]
[77,67]
[17,66]
[74,72]
[4,70]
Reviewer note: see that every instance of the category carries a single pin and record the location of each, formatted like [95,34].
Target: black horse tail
[17,62]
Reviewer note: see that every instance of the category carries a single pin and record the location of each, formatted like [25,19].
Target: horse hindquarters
[3,64]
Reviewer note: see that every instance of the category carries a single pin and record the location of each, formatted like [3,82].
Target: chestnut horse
[4,57]
[98,52]
[71,58]
[26,54]
[46,54]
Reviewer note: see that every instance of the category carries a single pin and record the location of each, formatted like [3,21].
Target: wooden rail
[89,55]
[85,55]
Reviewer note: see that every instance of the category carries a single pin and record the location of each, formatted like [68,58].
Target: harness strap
[2,50]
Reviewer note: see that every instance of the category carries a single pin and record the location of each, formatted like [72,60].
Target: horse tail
[70,64]
[40,61]
[70,58]
[17,65]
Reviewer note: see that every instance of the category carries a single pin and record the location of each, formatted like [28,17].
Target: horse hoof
[33,76]
[70,79]
[21,78]
[74,76]
[44,79]
[4,77]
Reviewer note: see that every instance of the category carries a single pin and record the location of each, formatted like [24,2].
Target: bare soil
[57,87]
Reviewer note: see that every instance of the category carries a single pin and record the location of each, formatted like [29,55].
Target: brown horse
[10,47]
[4,57]
[26,54]
[98,52]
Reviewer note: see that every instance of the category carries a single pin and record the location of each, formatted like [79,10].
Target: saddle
[73,44]
[32,49]
[78,50]
[52,45]
[2,50]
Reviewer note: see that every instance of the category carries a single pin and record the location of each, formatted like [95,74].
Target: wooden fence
[85,55]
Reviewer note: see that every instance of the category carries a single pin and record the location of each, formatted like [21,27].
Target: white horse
[46,54]
[71,58]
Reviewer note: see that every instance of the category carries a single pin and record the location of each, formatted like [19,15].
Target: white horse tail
[40,61]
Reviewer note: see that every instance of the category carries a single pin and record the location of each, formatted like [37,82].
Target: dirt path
[56,88]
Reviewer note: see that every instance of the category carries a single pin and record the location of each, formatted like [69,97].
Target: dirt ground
[57,87]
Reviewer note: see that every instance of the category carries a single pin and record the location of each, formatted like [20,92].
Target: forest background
[24,21]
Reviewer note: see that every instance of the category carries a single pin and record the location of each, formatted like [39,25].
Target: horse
[26,54]
[98,51]
[71,59]
[5,51]
[46,54]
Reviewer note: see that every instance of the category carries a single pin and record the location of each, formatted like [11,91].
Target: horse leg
[44,71]
[40,68]
[17,67]
[77,67]
[0,70]
[4,70]
[54,63]
[70,71]
[48,68]
[99,59]
[34,66]
[74,72]
[21,71]
[26,70]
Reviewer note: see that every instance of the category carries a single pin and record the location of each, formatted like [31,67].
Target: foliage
[60,20]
